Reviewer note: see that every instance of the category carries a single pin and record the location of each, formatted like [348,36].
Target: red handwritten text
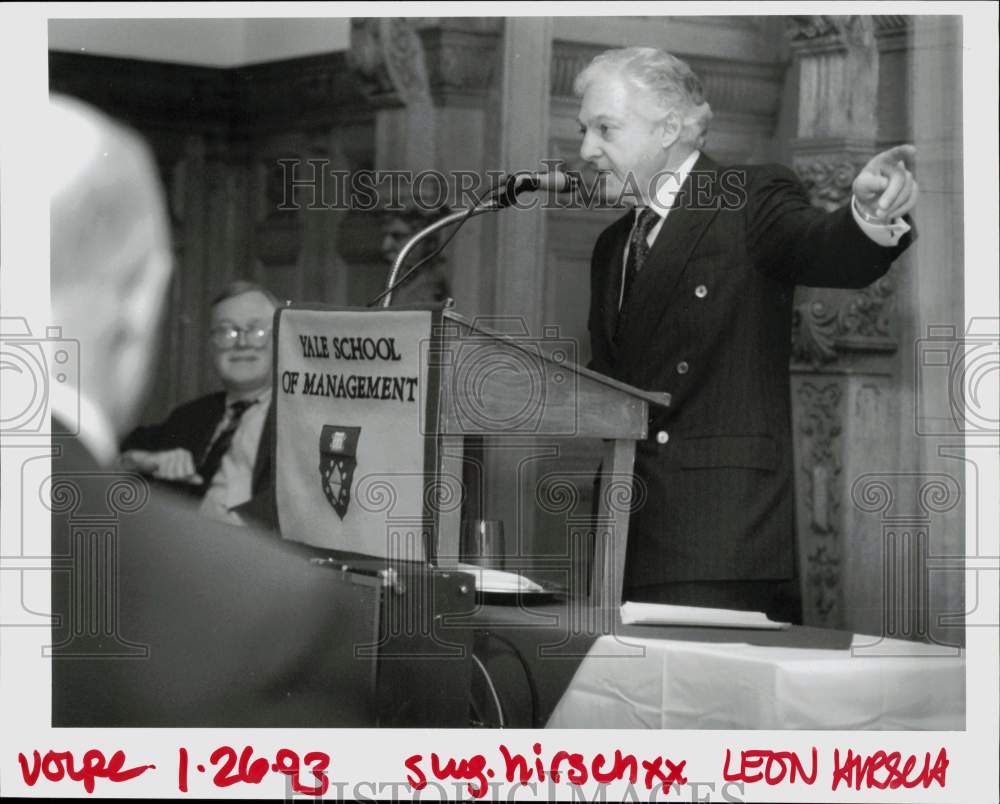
[242,768]
[657,771]
[471,770]
[884,770]
[57,764]
[776,766]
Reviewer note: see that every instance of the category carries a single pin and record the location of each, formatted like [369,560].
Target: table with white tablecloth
[630,682]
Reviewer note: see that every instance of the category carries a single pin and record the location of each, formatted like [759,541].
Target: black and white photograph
[537,404]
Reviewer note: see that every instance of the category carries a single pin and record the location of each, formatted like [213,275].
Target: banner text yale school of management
[351,412]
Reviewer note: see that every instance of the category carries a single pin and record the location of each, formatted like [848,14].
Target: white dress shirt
[232,484]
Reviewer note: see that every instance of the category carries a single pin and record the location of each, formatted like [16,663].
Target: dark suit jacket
[709,321]
[191,426]
[238,628]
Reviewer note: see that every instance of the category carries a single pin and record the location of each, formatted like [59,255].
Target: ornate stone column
[431,81]
[844,394]
[387,52]
[524,116]
[947,426]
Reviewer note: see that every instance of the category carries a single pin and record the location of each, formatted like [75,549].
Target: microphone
[525,182]
[521,182]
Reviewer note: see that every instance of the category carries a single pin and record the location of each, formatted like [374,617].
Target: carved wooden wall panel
[216,135]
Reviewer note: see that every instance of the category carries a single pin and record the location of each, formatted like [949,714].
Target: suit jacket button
[682,367]
[662,437]
[701,291]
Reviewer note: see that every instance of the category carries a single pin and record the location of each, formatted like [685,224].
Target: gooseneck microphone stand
[455,217]
[502,197]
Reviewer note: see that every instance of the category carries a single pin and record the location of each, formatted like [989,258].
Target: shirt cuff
[884,234]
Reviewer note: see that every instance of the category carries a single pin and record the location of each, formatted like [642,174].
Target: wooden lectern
[537,392]
[372,411]
[400,417]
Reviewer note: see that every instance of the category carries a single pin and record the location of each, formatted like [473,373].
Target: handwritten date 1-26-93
[232,768]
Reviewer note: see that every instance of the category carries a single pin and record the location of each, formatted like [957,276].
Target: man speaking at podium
[691,294]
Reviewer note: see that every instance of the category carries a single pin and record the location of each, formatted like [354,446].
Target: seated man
[218,447]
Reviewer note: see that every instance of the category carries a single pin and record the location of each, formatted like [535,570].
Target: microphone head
[524,182]
[556,181]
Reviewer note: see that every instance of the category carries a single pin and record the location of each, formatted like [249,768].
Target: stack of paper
[665,614]
[499,581]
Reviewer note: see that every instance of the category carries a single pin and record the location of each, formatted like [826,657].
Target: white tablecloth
[697,685]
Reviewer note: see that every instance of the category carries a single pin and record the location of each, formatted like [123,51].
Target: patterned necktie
[638,248]
[220,446]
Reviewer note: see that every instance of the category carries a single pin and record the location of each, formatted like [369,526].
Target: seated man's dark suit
[238,628]
[708,320]
[191,427]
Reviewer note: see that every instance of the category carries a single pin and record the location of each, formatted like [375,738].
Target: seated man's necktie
[220,446]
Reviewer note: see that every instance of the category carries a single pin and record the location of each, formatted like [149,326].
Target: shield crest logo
[338,457]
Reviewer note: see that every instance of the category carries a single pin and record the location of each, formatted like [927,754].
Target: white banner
[351,410]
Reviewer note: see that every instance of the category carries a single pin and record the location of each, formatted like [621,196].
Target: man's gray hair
[665,77]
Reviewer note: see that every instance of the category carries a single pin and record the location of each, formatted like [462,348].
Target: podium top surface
[501,383]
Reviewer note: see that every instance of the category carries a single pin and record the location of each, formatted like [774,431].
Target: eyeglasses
[227,336]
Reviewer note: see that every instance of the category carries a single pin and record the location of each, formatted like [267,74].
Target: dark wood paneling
[216,135]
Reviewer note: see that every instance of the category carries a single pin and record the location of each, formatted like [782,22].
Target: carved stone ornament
[862,322]
[814,333]
[844,29]
[892,24]
[866,315]
[365,56]
[463,62]
[404,59]
[388,55]
[828,180]
[856,320]
[820,428]
[811,26]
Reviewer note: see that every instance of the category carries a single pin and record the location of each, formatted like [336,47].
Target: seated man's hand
[173,464]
